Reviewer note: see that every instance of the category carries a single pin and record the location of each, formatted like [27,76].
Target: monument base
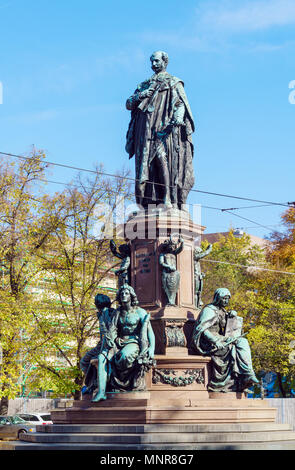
[176,394]
[135,410]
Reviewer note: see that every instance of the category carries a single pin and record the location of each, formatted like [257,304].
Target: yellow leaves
[53,265]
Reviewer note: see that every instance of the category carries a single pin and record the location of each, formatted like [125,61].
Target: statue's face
[125,296]
[224,301]
[158,64]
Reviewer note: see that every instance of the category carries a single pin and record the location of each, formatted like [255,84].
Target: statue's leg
[200,291]
[101,379]
[126,357]
[244,363]
[164,179]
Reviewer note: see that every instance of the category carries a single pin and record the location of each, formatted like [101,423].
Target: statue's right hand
[171,269]
[146,93]
[219,344]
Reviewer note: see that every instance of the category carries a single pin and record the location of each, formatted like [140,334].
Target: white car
[36,418]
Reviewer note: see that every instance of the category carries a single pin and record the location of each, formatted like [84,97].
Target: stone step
[279,445]
[159,438]
[194,403]
[161,428]
[163,415]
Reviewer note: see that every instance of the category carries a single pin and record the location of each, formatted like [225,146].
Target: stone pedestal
[172,324]
[146,274]
[177,385]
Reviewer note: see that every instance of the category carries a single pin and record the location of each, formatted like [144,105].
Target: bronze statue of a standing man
[159,135]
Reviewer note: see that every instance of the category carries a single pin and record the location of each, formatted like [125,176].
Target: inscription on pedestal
[144,264]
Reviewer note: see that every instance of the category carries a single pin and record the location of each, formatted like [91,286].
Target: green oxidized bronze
[170,275]
[159,136]
[124,254]
[198,275]
[218,333]
[127,344]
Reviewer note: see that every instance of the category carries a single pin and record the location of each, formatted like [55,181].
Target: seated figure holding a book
[218,333]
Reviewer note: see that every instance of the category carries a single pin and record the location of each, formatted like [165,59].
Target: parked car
[36,418]
[13,426]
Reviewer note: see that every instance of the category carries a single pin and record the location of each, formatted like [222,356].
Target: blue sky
[68,66]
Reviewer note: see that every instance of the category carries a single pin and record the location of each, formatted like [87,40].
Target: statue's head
[159,61]
[170,244]
[221,297]
[124,249]
[126,294]
[102,301]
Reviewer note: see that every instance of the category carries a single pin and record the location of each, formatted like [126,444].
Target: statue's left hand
[232,313]
[177,122]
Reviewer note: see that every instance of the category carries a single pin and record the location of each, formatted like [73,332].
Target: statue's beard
[158,69]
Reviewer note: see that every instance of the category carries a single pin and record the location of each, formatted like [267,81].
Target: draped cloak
[149,117]
[232,365]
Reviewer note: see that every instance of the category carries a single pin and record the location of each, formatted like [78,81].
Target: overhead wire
[249,266]
[245,218]
[103,173]
[134,180]
[187,204]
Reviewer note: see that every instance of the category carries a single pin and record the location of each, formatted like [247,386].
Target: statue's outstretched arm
[114,250]
[124,265]
[180,248]
[198,256]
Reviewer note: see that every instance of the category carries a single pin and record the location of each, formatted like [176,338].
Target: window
[46,417]
[29,417]
[16,420]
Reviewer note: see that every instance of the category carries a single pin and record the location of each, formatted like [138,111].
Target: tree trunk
[78,386]
[4,406]
[281,387]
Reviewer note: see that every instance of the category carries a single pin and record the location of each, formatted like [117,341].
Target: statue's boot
[250,380]
[99,397]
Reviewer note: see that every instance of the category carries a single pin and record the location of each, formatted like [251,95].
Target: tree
[52,263]
[75,261]
[281,252]
[24,228]
[231,264]
[263,297]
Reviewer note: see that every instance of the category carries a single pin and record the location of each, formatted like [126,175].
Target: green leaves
[51,266]
[265,300]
